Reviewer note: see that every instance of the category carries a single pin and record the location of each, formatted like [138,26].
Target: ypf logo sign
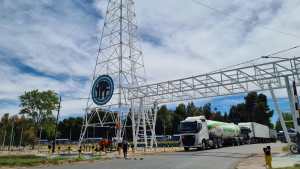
[102,90]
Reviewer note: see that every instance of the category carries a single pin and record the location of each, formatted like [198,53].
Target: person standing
[120,145]
[125,148]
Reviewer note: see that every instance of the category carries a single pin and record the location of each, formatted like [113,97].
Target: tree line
[254,109]
[36,119]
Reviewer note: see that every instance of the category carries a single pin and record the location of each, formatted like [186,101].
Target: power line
[282,51]
[235,65]
[256,59]
[244,20]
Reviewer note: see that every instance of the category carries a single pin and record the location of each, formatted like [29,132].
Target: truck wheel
[204,145]
[241,141]
[233,142]
[220,142]
[186,149]
[238,142]
[294,148]
[215,143]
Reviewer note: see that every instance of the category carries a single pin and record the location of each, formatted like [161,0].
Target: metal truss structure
[120,57]
[222,83]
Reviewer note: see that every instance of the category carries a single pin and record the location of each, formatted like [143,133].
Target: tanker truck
[198,132]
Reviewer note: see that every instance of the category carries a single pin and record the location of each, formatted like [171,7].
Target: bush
[23,160]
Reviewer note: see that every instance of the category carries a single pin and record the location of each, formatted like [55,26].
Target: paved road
[225,158]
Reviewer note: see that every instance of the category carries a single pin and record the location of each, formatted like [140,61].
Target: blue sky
[223,104]
[52,44]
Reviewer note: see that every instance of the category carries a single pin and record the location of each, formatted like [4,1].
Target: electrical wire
[256,59]
[281,51]
[243,20]
[235,65]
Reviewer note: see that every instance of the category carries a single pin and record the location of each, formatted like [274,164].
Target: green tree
[192,110]
[226,117]
[49,128]
[217,116]
[164,121]
[238,113]
[288,121]
[26,133]
[39,107]
[262,113]
[29,136]
[250,103]
[179,115]
[4,129]
[254,109]
[207,110]
[70,128]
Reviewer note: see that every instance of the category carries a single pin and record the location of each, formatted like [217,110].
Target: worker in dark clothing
[120,145]
[125,148]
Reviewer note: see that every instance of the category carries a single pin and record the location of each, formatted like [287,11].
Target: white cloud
[60,38]
[212,42]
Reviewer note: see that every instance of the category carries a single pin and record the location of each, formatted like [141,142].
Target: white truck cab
[197,132]
[194,132]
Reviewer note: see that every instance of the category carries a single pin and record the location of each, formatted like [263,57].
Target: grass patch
[32,160]
[297,166]
[22,160]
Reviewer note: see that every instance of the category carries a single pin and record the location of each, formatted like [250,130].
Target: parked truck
[198,132]
[273,135]
[258,133]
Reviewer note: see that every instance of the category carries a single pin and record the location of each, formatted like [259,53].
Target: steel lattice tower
[120,57]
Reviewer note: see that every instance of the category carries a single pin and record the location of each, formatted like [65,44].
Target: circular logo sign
[103,90]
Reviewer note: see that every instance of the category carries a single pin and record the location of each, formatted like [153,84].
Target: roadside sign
[102,90]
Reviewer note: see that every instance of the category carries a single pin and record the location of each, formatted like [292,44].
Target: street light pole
[55,131]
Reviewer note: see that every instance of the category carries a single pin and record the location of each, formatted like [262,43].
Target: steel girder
[221,83]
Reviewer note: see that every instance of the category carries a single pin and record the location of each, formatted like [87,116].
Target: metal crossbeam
[222,83]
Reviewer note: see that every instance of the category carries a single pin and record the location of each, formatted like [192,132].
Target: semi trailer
[273,135]
[259,133]
[198,132]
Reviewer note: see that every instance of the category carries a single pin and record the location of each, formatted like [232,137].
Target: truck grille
[188,140]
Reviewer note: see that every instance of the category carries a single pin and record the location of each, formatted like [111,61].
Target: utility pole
[55,131]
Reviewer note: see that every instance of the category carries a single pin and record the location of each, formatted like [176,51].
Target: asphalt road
[224,158]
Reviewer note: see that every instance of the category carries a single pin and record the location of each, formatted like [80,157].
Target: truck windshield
[190,127]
